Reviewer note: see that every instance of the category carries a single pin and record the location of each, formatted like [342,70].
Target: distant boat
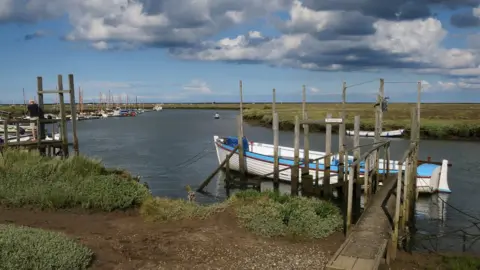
[390,134]
[216,116]
[157,108]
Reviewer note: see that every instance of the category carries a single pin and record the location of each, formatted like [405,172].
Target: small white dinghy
[216,116]
[389,134]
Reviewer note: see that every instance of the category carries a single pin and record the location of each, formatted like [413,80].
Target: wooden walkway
[366,245]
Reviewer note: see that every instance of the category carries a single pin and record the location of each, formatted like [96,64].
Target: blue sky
[195,51]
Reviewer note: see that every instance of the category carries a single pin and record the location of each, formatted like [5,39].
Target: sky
[199,50]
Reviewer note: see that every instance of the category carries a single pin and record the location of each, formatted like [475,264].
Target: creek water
[174,148]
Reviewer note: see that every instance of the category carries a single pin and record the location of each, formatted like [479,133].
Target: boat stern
[215,138]
[443,181]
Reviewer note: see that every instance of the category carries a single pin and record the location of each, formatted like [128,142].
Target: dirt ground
[125,241]
[122,240]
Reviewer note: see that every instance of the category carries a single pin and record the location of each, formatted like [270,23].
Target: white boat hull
[388,134]
[436,182]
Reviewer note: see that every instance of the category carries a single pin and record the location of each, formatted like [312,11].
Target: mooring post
[276,180]
[241,158]
[63,134]
[366,181]
[356,153]
[392,254]
[73,109]
[413,177]
[327,189]
[296,159]
[306,142]
[348,219]
[5,133]
[341,144]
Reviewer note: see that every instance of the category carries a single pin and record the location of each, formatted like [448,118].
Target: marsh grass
[29,248]
[28,179]
[461,262]
[266,213]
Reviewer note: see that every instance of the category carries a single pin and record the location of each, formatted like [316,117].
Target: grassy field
[440,121]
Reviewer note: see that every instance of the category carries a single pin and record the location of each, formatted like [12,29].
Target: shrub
[271,214]
[30,179]
[28,248]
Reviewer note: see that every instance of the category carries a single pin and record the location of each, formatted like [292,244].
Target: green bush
[28,248]
[271,214]
[30,179]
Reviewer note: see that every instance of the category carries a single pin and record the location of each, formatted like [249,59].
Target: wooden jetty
[51,147]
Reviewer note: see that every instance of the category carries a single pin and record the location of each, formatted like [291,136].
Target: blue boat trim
[423,171]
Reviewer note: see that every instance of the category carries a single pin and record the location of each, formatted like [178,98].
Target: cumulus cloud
[317,35]
[197,87]
[467,18]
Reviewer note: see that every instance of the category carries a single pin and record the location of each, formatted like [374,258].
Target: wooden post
[350,195]
[419,100]
[396,221]
[366,182]
[274,101]
[327,190]
[413,176]
[241,158]
[306,143]
[73,109]
[405,188]
[341,137]
[378,131]
[5,132]
[275,152]
[17,127]
[63,124]
[296,159]
[356,153]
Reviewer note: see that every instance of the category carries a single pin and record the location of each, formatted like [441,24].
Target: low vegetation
[29,248]
[266,213]
[461,262]
[28,179]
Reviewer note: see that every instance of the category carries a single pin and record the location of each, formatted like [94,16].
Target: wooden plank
[344,263]
[54,92]
[63,115]
[330,120]
[364,264]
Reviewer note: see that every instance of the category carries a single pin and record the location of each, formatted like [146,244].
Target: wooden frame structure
[48,147]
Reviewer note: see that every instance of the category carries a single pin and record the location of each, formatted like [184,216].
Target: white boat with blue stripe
[431,178]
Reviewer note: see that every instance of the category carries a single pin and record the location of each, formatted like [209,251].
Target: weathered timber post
[63,115]
[327,189]
[357,185]
[296,159]
[241,157]
[413,179]
[306,143]
[275,152]
[341,142]
[73,109]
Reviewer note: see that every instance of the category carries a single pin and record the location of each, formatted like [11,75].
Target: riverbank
[110,221]
[448,121]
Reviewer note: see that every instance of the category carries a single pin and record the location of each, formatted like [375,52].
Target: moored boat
[431,178]
[388,134]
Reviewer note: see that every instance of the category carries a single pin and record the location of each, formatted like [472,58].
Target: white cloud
[197,87]
[318,35]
